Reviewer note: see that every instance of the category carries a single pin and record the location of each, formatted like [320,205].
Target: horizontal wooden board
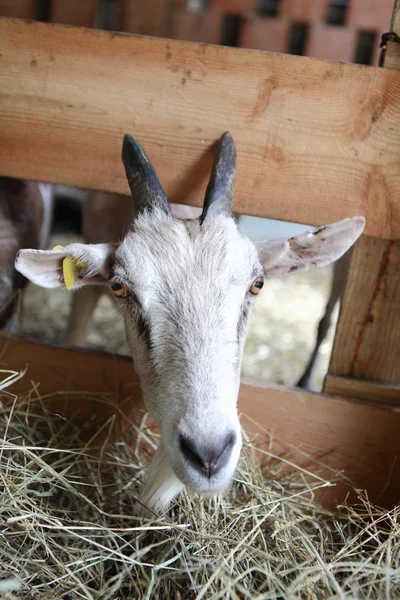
[316,141]
[355,437]
[361,388]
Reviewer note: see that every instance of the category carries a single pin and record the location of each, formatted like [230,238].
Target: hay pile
[67,530]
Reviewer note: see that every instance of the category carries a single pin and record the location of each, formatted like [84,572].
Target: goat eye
[257,286]
[119,290]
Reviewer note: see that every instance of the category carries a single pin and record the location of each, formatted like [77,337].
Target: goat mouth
[212,490]
[202,484]
[201,480]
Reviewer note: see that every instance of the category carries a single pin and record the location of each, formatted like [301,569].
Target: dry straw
[67,530]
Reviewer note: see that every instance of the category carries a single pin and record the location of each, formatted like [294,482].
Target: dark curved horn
[219,194]
[146,188]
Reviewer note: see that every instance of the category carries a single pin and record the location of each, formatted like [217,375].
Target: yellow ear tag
[70,267]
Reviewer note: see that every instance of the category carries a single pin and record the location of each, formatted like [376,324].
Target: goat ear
[45,267]
[319,247]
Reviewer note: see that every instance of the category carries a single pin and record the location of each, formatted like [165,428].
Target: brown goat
[25,221]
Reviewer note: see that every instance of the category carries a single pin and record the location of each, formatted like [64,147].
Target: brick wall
[343,30]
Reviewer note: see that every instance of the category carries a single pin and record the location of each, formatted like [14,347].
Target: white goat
[186,289]
[106,218]
[25,221]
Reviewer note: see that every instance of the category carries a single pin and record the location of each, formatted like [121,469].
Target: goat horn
[146,188]
[219,194]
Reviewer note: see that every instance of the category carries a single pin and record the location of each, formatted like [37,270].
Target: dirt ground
[280,339]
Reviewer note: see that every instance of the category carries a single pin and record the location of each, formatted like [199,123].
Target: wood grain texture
[361,440]
[367,340]
[348,387]
[316,141]
[74,12]
[18,9]
[265,34]
[395,20]
[331,42]
[392,56]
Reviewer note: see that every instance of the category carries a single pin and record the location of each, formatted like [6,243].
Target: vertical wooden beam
[366,350]
[395,22]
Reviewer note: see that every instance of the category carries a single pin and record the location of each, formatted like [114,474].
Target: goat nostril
[188,449]
[208,460]
[231,440]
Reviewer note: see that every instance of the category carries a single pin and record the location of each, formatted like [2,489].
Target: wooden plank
[370,14]
[355,437]
[367,341]
[348,387]
[74,12]
[392,55]
[395,20]
[304,10]
[204,26]
[18,9]
[330,42]
[69,94]
[265,34]
[54,370]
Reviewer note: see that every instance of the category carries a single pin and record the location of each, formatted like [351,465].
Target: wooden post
[365,360]
[395,22]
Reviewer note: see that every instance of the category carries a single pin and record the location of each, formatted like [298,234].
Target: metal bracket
[389,36]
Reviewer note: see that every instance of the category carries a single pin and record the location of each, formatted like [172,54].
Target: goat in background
[26,209]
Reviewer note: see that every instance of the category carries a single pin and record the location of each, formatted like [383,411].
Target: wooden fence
[317,141]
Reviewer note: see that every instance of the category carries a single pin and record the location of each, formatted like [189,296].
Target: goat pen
[317,142]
